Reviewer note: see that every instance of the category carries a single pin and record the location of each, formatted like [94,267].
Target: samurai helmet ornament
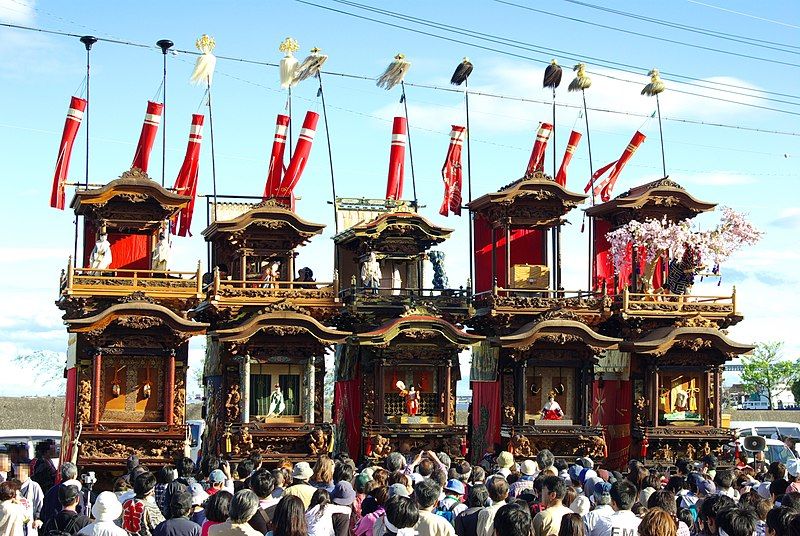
[581,81]
[394,73]
[289,63]
[655,86]
[552,75]
[204,66]
[310,66]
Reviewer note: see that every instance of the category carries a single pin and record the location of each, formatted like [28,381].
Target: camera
[89,479]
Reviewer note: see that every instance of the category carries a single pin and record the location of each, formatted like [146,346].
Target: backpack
[66,531]
[447,512]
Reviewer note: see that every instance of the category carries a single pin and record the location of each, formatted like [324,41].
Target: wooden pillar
[245,388]
[656,381]
[169,390]
[494,258]
[634,285]
[718,396]
[449,392]
[290,269]
[380,403]
[557,231]
[97,372]
[509,283]
[521,382]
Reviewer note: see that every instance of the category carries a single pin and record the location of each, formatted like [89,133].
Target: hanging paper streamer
[275,174]
[452,174]
[289,63]
[300,156]
[394,73]
[310,66]
[604,187]
[186,183]
[149,129]
[204,66]
[536,163]
[77,107]
[397,158]
[572,144]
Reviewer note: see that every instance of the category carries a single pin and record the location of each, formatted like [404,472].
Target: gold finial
[289,46]
[205,44]
[553,62]
[400,56]
[316,50]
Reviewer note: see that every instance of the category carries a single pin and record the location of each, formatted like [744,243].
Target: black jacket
[65,521]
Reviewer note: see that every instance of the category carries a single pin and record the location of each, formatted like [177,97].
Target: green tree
[796,389]
[766,372]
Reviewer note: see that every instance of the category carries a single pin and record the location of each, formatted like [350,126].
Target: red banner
[275,173]
[74,117]
[397,158]
[485,423]
[536,162]
[347,413]
[152,118]
[186,182]
[452,174]
[300,156]
[612,410]
[604,187]
[572,144]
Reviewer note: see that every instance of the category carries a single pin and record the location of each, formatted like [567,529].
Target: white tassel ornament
[204,66]
[310,66]
[289,63]
[394,73]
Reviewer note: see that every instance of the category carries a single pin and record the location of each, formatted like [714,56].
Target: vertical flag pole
[330,153]
[88,41]
[653,89]
[471,253]
[410,152]
[164,45]
[213,160]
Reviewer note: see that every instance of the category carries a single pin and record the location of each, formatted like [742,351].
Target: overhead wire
[527,46]
[781,23]
[419,85]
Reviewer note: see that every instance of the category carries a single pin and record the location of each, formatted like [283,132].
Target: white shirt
[591,518]
[620,523]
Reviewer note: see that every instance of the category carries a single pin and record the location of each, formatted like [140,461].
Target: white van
[776,451]
[768,429]
[196,429]
[754,404]
[19,444]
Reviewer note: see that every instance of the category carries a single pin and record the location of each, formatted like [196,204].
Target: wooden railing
[640,304]
[521,299]
[459,298]
[239,288]
[120,282]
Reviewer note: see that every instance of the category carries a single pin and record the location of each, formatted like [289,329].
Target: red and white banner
[77,107]
[536,163]
[300,156]
[397,159]
[149,129]
[275,173]
[572,144]
[604,187]
[186,183]
[452,174]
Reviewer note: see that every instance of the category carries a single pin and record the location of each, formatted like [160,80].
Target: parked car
[196,429]
[768,429]
[754,404]
[776,451]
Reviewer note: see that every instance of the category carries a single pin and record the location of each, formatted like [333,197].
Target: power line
[527,46]
[746,14]
[694,29]
[418,85]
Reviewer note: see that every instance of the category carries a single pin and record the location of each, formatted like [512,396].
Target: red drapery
[612,409]
[347,413]
[485,418]
[526,248]
[68,423]
[128,251]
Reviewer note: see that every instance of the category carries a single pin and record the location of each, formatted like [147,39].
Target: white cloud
[17,11]
[788,219]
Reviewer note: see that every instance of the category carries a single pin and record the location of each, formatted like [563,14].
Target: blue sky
[749,171]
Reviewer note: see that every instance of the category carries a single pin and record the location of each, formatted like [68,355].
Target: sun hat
[645,494]
[529,468]
[302,471]
[505,460]
[580,505]
[216,476]
[343,494]
[106,507]
[399,490]
[199,495]
[456,486]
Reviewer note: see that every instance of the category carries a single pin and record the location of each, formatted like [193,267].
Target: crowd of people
[429,495]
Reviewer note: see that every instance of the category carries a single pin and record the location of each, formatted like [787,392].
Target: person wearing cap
[300,487]
[343,497]
[68,520]
[199,498]
[548,521]
[105,510]
[450,506]
[622,522]
[141,514]
[51,506]
[601,495]
[528,471]
[505,461]
[218,480]
[179,523]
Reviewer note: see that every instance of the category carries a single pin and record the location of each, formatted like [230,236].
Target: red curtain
[128,251]
[603,268]
[526,248]
[347,413]
[68,423]
[485,418]
[612,409]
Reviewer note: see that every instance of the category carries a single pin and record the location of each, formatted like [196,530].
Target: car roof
[32,433]
[763,424]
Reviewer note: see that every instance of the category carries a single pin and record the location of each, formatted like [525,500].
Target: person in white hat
[528,471]
[106,510]
[300,486]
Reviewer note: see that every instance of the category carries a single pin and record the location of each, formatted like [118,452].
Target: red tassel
[603,189]
[572,144]
[186,183]
[536,162]
[275,174]
[452,174]
[149,129]
[74,116]
[300,157]
[397,158]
